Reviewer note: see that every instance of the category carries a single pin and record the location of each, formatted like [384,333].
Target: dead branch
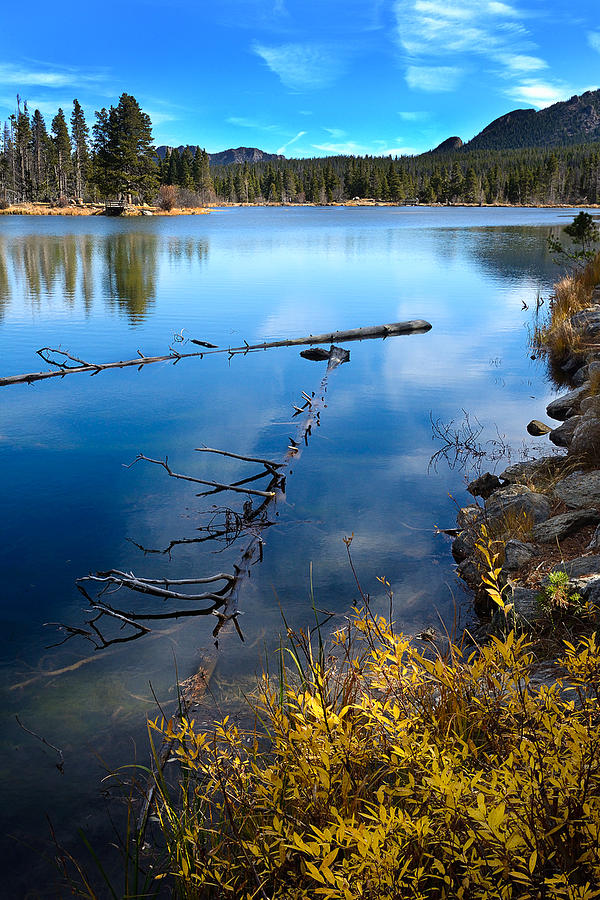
[153,588]
[267,463]
[415,326]
[216,484]
[59,765]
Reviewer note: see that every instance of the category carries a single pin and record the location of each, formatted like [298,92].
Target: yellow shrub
[391,772]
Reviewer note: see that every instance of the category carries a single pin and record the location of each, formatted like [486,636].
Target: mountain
[225,157]
[451,143]
[573,121]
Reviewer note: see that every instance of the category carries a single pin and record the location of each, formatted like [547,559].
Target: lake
[104,289]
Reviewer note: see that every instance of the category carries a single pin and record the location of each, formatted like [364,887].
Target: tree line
[117,158]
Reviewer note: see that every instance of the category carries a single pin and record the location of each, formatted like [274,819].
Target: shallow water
[104,289]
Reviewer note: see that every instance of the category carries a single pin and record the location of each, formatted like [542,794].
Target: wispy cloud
[413,116]
[244,122]
[433,78]
[44,76]
[464,29]
[594,40]
[537,93]
[303,66]
[352,148]
[289,143]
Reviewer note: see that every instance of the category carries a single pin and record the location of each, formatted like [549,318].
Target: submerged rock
[559,527]
[537,428]
[580,490]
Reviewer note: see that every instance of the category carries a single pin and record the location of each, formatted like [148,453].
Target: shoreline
[98,209]
[539,523]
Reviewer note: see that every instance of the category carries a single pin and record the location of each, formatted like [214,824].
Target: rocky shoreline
[543,516]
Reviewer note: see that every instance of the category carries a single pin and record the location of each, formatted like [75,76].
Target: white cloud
[305,66]
[433,78]
[43,76]
[413,116]
[594,40]
[351,148]
[244,122]
[537,93]
[520,63]
[291,141]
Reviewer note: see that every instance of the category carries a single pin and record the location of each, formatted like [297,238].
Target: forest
[71,163]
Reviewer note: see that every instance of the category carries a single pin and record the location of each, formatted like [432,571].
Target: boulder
[563,435]
[580,490]
[587,321]
[590,405]
[594,544]
[517,554]
[537,428]
[484,486]
[463,546]
[526,471]
[591,370]
[469,572]
[580,567]
[559,527]
[525,603]
[518,500]
[468,516]
[568,404]
[585,441]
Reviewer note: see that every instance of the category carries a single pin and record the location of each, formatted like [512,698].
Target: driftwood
[67,364]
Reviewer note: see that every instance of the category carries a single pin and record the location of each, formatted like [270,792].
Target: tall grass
[556,336]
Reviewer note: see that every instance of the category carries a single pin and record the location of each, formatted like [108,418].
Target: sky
[302,77]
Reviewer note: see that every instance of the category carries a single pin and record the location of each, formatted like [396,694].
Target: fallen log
[81,367]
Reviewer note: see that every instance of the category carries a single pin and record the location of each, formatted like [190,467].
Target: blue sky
[301,77]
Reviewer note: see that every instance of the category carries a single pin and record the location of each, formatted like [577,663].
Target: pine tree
[41,154]
[125,155]
[61,143]
[22,151]
[81,159]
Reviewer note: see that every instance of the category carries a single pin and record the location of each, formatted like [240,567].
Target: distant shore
[98,209]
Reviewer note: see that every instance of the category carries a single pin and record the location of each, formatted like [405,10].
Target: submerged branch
[62,368]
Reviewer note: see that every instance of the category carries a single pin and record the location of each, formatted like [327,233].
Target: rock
[560,526]
[517,500]
[587,321]
[526,471]
[580,567]
[572,362]
[591,370]
[585,441]
[525,603]
[537,428]
[568,404]
[469,572]
[580,490]
[517,554]
[594,544]
[484,486]
[468,516]
[463,546]
[563,435]
[590,405]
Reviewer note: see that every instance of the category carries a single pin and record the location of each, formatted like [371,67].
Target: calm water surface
[104,289]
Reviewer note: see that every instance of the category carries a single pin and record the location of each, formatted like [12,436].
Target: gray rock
[585,441]
[537,428]
[525,603]
[580,490]
[587,321]
[518,500]
[484,486]
[517,554]
[463,546]
[591,370]
[566,523]
[469,516]
[526,471]
[563,435]
[469,572]
[590,405]
[580,567]
[588,587]
[572,362]
[594,544]
[568,404]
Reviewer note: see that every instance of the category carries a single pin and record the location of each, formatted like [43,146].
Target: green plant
[584,234]
[558,598]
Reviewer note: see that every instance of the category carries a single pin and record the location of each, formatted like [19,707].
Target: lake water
[104,289]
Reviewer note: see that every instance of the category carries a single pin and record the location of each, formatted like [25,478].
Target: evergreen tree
[125,155]
[62,163]
[41,153]
[81,159]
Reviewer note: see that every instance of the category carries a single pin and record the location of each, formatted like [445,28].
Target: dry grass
[556,336]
